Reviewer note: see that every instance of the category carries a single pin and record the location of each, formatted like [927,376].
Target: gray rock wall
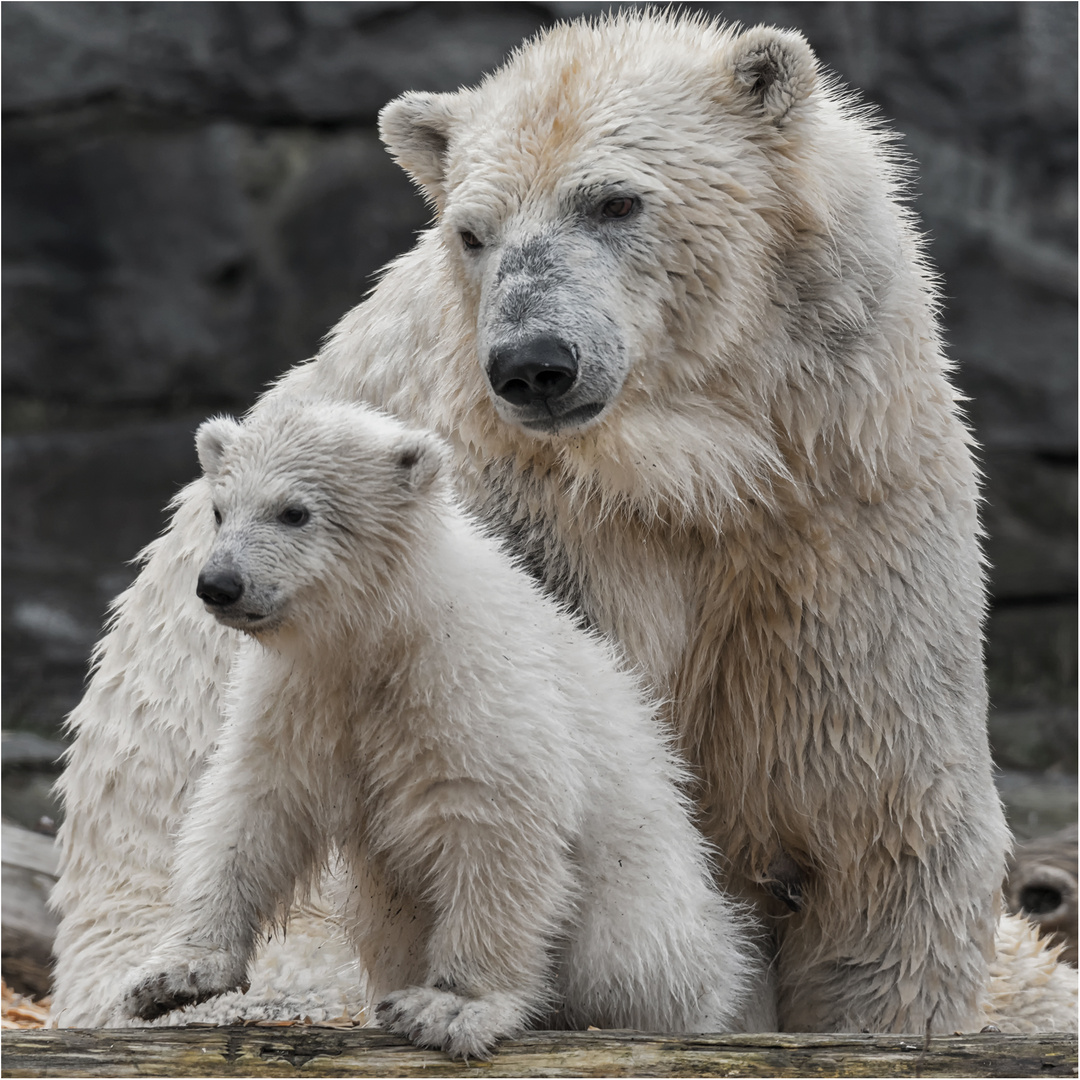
[194,193]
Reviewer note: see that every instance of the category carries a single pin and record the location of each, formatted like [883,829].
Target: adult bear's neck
[626,574]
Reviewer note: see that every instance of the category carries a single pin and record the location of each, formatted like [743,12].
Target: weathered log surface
[314,1051]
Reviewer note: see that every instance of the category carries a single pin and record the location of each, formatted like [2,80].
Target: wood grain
[313,1051]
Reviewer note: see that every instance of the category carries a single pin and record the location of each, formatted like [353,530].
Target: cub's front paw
[171,983]
[464,1027]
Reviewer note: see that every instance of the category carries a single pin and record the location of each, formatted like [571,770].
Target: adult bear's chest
[628,578]
[721,641]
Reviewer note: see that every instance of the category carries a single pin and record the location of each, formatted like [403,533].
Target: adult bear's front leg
[903,946]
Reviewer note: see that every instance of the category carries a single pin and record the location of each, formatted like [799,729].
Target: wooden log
[321,1051]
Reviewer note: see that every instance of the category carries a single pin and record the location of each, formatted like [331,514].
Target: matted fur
[763,490]
[515,842]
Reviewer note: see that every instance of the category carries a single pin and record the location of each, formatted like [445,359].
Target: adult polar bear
[680,332]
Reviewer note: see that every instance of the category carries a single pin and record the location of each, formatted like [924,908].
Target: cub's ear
[415,128]
[212,440]
[420,457]
[773,71]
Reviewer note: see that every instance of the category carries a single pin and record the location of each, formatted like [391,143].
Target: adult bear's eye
[470,240]
[293,515]
[217,516]
[618,208]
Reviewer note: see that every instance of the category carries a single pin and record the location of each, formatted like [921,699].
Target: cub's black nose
[219,588]
[529,372]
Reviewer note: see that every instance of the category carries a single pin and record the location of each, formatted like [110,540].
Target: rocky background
[194,193]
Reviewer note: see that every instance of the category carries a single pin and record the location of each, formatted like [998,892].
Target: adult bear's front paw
[464,1027]
[161,986]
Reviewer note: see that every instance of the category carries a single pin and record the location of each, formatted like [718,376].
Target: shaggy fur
[758,483]
[497,790]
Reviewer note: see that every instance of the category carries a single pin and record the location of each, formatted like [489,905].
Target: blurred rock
[185,264]
[1010,337]
[1030,518]
[1038,804]
[1031,655]
[1034,738]
[24,749]
[28,798]
[325,62]
[30,868]
[79,505]
[1048,58]
[31,765]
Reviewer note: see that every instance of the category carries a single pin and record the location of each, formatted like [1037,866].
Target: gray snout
[219,586]
[534,371]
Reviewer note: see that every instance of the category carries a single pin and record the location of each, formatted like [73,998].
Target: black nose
[532,371]
[219,588]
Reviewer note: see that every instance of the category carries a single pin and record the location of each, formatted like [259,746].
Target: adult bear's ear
[212,440]
[419,456]
[415,128]
[772,71]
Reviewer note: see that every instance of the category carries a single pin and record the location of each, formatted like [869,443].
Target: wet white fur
[509,816]
[775,515]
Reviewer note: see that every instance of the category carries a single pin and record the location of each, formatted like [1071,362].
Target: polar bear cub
[515,839]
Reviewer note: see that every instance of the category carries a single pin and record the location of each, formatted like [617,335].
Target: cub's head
[317,508]
[614,204]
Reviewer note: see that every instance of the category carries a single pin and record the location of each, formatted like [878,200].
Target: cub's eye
[618,208]
[294,515]
[470,240]
[217,516]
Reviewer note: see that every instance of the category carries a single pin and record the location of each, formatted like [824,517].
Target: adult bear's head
[681,253]
[611,204]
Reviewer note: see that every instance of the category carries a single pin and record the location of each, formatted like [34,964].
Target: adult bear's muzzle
[534,371]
